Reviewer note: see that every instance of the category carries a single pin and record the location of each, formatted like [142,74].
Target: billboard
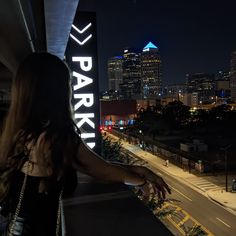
[81,56]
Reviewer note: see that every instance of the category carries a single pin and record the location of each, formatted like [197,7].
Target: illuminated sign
[149,46]
[81,56]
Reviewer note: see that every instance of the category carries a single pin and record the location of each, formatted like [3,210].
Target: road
[215,218]
[209,214]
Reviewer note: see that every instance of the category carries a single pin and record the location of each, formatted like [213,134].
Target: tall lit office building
[222,86]
[131,86]
[203,84]
[115,72]
[150,71]
[233,76]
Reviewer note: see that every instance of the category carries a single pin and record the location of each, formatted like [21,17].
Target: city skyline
[193,37]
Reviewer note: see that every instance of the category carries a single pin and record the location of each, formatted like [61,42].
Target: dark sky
[192,35]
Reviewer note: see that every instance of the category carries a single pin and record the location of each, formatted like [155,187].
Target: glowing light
[83,30]
[82,80]
[91,145]
[87,135]
[85,118]
[78,41]
[86,100]
[85,62]
[83,99]
[149,46]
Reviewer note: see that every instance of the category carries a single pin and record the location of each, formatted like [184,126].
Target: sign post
[81,56]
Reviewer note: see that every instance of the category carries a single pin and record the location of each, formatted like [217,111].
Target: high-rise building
[174,92]
[222,86]
[203,84]
[150,71]
[115,72]
[233,76]
[131,86]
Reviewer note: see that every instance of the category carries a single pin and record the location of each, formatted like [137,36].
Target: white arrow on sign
[81,32]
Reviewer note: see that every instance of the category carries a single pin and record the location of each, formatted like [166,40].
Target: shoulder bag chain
[12,224]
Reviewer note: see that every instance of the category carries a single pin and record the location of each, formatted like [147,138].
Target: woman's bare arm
[88,162]
[92,164]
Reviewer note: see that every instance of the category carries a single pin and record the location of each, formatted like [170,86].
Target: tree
[176,114]
[111,151]
[220,112]
[196,230]
[145,120]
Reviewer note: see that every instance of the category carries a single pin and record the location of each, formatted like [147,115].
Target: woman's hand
[159,186]
[90,163]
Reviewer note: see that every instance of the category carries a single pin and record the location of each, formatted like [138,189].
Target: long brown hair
[40,101]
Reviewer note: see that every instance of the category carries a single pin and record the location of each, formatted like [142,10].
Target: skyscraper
[150,71]
[115,72]
[203,84]
[233,76]
[138,75]
[222,86]
[131,86]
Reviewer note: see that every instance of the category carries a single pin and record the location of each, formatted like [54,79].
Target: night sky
[192,35]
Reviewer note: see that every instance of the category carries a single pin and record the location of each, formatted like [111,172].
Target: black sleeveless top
[38,209]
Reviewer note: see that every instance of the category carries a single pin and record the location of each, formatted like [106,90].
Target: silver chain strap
[12,224]
[59,214]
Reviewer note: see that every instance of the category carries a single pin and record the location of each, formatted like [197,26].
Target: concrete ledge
[109,210]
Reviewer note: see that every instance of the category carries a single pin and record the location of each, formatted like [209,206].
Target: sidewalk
[214,190]
[227,199]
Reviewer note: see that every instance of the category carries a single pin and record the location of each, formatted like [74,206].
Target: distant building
[233,76]
[115,72]
[130,88]
[145,103]
[222,86]
[191,99]
[204,85]
[110,95]
[187,101]
[173,92]
[136,75]
[118,112]
[174,89]
[151,71]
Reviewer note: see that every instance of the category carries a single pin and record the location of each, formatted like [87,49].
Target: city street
[215,218]
[209,214]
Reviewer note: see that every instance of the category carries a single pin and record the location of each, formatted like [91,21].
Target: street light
[142,139]
[226,165]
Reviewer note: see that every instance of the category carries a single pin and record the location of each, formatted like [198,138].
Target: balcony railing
[99,209]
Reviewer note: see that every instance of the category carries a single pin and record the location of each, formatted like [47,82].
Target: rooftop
[149,46]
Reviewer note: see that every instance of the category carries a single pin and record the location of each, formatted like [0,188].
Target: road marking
[177,209]
[184,220]
[223,222]
[181,193]
[176,226]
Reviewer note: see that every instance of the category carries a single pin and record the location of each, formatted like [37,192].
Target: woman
[40,125]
